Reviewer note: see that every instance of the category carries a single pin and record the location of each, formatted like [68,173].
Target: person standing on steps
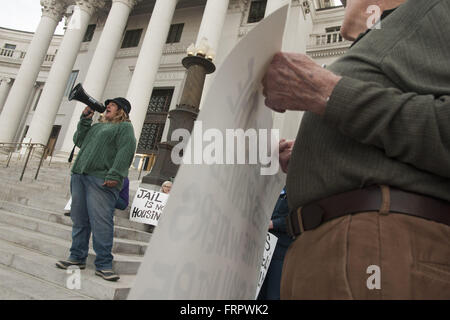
[106,152]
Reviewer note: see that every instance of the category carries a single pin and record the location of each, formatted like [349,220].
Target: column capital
[5,79]
[90,6]
[54,9]
[130,3]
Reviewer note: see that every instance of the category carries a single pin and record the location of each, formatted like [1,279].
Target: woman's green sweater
[107,149]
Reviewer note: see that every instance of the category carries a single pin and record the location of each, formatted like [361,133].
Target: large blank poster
[210,239]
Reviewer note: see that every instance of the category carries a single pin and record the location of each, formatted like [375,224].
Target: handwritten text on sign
[269,249]
[147,206]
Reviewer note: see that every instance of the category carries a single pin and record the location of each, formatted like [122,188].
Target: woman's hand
[110,183]
[88,113]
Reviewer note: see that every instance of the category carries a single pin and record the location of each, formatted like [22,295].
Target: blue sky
[22,15]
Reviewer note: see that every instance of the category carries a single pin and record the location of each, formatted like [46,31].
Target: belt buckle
[291,222]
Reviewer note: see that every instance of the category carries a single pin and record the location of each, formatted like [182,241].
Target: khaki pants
[332,261]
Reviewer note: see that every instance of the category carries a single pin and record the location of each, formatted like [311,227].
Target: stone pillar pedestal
[183,117]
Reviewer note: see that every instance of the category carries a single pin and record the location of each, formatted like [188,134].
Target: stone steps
[15,285]
[121,220]
[34,234]
[42,266]
[64,232]
[52,246]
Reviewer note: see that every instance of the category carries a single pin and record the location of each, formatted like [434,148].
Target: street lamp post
[198,63]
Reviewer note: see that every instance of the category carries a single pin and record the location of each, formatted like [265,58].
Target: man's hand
[285,150]
[110,183]
[295,82]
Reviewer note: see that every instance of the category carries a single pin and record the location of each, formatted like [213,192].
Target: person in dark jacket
[270,289]
[124,195]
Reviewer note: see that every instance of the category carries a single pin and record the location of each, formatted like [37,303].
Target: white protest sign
[147,206]
[68,205]
[209,242]
[269,249]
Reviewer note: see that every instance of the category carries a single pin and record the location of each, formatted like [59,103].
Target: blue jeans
[92,209]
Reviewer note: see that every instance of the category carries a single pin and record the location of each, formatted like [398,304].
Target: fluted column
[298,28]
[5,86]
[13,110]
[100,67]
[53,92]
[211,28]
[212,22]
[273,5]
[141,85]
[186,112]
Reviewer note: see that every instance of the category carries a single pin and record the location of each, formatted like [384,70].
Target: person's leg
[101,202]
[415,258]
[81,229]
[370,256]
[315,263]
[273,279]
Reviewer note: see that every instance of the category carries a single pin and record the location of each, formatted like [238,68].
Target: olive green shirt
[388,119]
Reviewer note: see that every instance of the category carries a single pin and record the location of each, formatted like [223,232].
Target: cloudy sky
[22,15]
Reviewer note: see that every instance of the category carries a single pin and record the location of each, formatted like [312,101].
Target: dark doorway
[52,140]
[155,120]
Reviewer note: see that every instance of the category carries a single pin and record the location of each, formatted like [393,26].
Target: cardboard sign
[148,206]
[269,249]
[209,242]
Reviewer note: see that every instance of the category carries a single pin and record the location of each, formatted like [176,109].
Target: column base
[164,169]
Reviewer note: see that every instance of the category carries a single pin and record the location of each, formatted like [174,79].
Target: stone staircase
[34,234]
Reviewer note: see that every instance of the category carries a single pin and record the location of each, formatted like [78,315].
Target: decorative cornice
[129,3]
[5,79]
[234,6]
[90,6]
[53,9]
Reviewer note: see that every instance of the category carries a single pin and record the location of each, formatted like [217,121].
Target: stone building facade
[134,48]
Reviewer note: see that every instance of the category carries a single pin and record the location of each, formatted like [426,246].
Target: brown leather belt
[368,199]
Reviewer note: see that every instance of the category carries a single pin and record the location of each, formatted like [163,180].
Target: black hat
[122,103]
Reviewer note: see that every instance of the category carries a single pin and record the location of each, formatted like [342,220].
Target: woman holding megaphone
[106,152]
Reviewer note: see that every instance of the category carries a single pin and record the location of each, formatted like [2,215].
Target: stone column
[211,28]
[296,35]
[212,22]
[5,86]
[187,110]
[100,67]
[141,85]
[273,5]
[14,107]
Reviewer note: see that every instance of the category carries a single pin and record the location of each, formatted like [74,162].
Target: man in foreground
[369,175]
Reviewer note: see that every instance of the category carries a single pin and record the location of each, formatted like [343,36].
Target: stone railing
[20,55]
[328,39]
[13,54]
